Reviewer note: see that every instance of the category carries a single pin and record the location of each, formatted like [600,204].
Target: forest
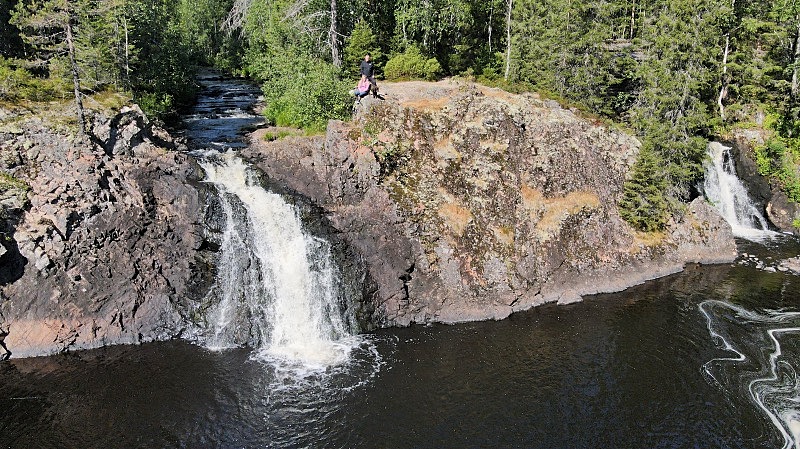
[675,73]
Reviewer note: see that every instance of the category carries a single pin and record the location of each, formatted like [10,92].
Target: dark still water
[638,369]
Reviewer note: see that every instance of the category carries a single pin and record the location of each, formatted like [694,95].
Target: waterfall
[729,196]
[276,284]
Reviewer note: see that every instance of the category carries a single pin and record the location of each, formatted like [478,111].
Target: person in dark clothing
[368,70]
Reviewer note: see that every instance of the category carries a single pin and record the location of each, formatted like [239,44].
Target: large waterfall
[725,191]
[275,284]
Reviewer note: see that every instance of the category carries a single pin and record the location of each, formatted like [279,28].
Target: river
[706,358]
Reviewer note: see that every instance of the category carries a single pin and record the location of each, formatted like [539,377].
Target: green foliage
[778,160]
[17,83]
[304,93]
[644,204]
[270,136]
[411,64]
[361,41]
[8,182]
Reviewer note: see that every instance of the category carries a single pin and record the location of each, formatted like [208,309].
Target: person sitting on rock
[362,90]
[367,68]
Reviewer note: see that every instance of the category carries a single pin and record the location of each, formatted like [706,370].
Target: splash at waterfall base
[471,203]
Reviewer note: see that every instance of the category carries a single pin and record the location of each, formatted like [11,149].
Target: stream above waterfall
[704,358]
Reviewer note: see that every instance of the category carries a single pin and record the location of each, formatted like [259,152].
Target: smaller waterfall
[276,284]
[725,191]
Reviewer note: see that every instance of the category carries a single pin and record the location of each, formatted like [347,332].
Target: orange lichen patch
[455,216]
[549,213]
[504,235]
[444,150]
[558,209]
[531,198]
[426,104]
[494,146]
[648,239]
[500,94]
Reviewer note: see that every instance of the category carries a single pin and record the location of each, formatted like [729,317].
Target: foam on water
[759,367]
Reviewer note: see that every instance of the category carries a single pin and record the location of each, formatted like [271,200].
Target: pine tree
[49,26]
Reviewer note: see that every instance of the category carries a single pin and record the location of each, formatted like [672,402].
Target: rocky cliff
[778,208]
[471,203]
[102,236]
[455,202]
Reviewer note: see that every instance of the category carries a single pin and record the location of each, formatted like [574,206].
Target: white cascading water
[275,283]
[725,191]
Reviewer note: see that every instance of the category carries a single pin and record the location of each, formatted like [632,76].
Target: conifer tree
[361,41]
[49,26]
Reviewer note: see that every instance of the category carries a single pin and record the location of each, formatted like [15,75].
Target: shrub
[361,41]
[777,159]
[411,64]
[155,104]
[302,92]
[16,83]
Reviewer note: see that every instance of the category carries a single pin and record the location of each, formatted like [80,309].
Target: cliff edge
[102,238]
[471,203]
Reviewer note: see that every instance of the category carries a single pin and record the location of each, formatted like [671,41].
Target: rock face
[108,248]
[780,210]
[470,203]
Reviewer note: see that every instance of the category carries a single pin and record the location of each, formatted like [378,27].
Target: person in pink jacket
[362,90]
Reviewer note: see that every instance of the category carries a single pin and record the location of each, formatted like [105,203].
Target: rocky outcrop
[471,203]
[107,250]
[778,208]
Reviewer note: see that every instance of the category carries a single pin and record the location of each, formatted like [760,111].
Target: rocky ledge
[471,203]
[102,240]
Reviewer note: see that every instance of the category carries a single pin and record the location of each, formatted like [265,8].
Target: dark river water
[626,370]
[706,358]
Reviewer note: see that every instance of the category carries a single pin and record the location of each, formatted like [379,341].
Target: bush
[778,159]
[361,41]
[412,65]
[155,104]
[302,92]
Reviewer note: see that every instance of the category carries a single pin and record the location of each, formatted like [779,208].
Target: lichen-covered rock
[105,250]
[471,203]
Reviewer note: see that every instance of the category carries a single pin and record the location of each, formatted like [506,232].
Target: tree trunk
[334,37]
[508,38]
[75,77]
[127,55]
[491,10]
[723,91]
[633,17]
[795,80]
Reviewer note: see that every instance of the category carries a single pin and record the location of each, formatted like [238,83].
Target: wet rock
[780,211]
[499,202]
[792,265]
